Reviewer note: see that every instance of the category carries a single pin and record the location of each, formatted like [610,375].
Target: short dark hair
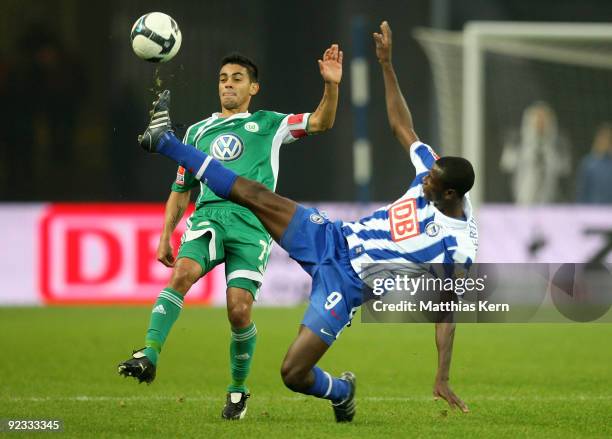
[457,174]
[244,61]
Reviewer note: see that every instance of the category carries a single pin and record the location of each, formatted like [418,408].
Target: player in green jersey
[221,231]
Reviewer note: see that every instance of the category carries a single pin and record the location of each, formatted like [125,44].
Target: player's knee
[293,376]
[255,194]
[239,315]
[260,192]
[184,276]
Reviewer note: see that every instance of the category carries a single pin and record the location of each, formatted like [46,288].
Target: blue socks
[206,169]
[327,387]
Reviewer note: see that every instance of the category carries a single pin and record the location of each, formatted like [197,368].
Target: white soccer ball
[156,37]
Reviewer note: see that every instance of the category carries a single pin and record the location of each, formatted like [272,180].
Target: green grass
[519,380]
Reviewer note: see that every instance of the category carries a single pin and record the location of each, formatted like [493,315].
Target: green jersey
[246,143]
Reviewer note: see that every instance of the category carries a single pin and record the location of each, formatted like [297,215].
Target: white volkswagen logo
[226,147]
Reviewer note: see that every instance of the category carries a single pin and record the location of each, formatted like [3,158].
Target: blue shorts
[318,245]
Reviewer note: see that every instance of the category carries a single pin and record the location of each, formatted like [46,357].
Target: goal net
[523,102]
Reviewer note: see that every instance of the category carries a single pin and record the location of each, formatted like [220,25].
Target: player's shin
[217,177]
[327,387]
[165,311]
[242,347]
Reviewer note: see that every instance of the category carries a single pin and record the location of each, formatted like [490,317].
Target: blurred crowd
[44,144]
[538,158]
[42,88]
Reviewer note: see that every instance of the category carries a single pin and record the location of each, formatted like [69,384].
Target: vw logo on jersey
[432,229]
[226,147]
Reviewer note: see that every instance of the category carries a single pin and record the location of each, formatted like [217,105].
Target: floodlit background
[78,96]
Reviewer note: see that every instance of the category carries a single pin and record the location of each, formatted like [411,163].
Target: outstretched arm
[331,70]
[398,113]
[445,334]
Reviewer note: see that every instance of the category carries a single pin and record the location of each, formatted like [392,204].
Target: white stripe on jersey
[366,259]
[216,117]
[369,224]
[420,242]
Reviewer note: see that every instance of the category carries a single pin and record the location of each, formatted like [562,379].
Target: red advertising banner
[106,253]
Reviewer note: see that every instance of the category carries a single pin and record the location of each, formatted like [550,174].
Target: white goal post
[458,66]
[475,41]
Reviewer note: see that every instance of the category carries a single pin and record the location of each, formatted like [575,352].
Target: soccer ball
[156,37]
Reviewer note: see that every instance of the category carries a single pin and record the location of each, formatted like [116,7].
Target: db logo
[105,253]
[403,220]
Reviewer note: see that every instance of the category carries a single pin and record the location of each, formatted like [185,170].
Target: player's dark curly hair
[457,174]
[244,61]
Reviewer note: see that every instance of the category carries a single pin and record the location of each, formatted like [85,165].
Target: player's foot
[159,125]
[139,367]
[235,405]
[345,410]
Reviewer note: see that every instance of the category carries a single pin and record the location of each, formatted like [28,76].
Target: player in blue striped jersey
[432,222]
[413,228]
[429,223]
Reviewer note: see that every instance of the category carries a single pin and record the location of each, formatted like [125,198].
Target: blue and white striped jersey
[412,230]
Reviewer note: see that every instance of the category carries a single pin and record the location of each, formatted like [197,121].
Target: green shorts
[230,234]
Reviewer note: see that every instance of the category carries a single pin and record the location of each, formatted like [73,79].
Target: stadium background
[105,88]
[76,192]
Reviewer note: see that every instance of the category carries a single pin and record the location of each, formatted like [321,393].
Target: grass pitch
[518,380]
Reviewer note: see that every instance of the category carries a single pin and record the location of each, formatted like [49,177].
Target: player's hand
[165,253]
[442,390]
[331,65]
[383,43]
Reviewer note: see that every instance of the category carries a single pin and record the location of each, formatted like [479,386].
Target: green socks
[165,312]
[242,347]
